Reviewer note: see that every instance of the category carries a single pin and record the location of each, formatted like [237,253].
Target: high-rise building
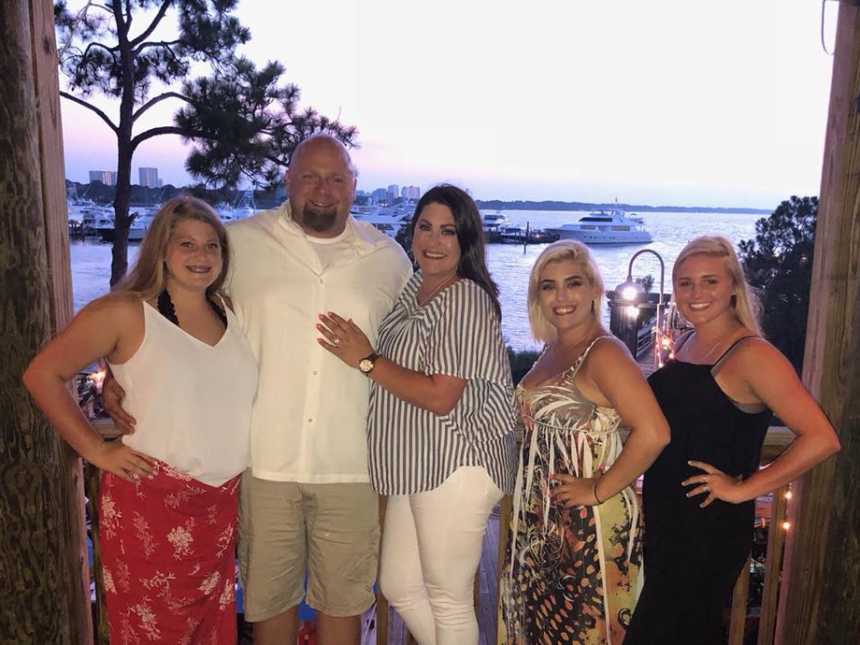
[393,191]
[148,177]
[107,177]
[410,192]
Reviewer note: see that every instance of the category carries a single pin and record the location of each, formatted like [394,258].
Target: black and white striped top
[457,333]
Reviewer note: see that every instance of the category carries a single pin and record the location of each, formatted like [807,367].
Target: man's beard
[319,221]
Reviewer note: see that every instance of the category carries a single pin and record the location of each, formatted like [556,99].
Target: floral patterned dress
[572,575]
[168,558]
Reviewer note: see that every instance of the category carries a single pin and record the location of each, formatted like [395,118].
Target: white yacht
[136,231]
[388,219]
[493,221]
[601,227]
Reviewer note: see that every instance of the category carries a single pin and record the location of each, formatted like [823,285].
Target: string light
[786,525]
[97,378]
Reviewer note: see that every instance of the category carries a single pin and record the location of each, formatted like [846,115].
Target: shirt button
[310,420]
[315,372]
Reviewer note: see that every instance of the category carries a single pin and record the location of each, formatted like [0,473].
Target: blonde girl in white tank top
[168,497]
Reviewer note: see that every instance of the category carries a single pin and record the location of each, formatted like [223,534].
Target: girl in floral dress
[169,490]
[575,547]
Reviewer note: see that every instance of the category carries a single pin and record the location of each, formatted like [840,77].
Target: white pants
[431,547]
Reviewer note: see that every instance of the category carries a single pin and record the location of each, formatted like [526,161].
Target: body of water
[508,263]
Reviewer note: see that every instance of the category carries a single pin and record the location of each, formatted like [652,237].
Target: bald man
[307,508]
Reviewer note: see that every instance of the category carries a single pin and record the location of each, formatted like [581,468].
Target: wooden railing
[388,626]
[777,439]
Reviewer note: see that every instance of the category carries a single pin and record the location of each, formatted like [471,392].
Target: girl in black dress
[717,394]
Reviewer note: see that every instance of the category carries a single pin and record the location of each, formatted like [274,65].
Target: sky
[669,102]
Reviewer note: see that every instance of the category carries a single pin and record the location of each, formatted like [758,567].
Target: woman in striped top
[440,427]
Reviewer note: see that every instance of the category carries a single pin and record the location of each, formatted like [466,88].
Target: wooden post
[818,600]
[740,595]
[382,609]
[775,543]
[42,553]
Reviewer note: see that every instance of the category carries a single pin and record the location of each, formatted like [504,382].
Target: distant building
[410,192]
[149,177]
[107,177]
[380,195]
[393,191]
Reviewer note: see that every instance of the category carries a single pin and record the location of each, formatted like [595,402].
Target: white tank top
[192,401]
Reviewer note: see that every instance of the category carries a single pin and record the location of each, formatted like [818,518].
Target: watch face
[365,365]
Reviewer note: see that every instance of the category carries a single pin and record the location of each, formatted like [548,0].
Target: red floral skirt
[168,558]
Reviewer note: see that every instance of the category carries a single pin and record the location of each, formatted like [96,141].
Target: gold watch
[366,364]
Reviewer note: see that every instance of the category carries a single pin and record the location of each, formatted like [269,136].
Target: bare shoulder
[124,306]
[752,350]
[610,348]
[755,358]
[607,357]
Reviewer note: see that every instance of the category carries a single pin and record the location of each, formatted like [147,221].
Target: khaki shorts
[328,531]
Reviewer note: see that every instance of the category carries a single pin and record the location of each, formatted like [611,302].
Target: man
[307,506]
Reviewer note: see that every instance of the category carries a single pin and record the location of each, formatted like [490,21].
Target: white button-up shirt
[309,418]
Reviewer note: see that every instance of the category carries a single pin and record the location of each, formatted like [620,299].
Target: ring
[337,341]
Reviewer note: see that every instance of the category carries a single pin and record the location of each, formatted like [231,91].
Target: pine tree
[243,124]
[778,263]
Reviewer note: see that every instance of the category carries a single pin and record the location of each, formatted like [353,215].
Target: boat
[493,221]
[389,219]
[136,231]
[520,235]
[614,227]
[243,207]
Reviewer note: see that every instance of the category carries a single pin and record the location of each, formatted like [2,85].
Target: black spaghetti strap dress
[693,555]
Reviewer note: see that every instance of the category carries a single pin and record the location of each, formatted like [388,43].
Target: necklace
[711,349]
[442,285]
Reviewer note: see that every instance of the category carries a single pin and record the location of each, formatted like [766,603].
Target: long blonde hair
[147,277]
[745,302]
[542,329]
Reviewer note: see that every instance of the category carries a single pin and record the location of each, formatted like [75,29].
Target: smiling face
[193,257]
[434,242]
[566,295]
[703,289]
[321,187]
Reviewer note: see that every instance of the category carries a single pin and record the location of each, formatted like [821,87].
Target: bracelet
[594,492]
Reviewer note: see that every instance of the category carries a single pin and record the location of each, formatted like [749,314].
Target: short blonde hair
[147,278]
[559,251]
[745,303]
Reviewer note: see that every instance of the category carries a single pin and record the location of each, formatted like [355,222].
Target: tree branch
[109,50]
[157,43]
[162,10]
[275,160]
[157,99]
[165,129]
[104,117]
[97,6]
